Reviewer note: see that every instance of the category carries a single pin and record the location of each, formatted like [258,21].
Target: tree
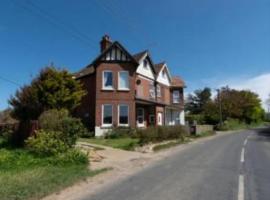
[243,105]
[196,103]
[5,117]
[51,89]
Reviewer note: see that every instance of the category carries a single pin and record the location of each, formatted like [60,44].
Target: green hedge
[161,133]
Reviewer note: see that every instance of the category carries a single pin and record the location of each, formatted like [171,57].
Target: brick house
[128,91]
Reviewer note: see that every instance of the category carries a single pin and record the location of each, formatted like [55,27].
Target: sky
[210,43]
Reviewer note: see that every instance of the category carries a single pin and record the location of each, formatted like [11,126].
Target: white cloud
[259,84]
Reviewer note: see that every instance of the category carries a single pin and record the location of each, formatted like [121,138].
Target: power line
[10,81]
[40,12]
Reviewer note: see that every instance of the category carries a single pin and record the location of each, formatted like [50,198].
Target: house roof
[84,72]
[140,55]
[158,67]
[177,82]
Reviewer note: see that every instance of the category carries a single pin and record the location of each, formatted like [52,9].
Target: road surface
[230,167]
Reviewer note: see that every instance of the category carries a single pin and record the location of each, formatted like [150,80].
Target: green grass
[120,143]
[167,145]
[25,176]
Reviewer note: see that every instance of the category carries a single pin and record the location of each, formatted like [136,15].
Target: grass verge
[24,176]
[120,143]
[159,147]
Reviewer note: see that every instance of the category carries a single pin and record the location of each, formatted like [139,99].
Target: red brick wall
[115,97]
[86,110]
[142,89]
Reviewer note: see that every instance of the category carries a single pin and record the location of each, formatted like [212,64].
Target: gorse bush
[47,143]
[160,133]
[60,121]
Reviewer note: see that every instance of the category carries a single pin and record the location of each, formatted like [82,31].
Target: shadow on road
[264,134]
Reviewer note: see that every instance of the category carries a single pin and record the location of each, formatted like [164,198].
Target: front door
[160,119]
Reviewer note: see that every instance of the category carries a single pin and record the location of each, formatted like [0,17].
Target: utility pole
[220,107]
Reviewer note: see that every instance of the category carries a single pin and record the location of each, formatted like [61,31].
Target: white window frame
[119,115]
[103,83]
[122,88]
[176,100]
[102,115]
[158,91]
[152,91]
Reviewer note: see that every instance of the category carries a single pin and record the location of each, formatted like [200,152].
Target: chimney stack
[105,43]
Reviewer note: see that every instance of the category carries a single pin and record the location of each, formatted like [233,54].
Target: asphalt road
[230,167]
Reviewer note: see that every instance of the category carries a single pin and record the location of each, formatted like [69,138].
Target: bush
[46,143]
[72,156]
[231,124]
[60,121]
[160,133]
[120,132]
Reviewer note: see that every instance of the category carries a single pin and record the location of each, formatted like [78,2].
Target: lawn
[120,143]
[24,176]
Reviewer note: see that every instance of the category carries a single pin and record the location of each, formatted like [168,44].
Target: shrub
[231,124]
[120,132]
[72,156]
[160,133]
[46,143]
[60,121]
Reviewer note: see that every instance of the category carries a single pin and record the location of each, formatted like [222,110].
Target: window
[176,96]
[107,80]
[164,73]
[145,63]
[152,91]
[152,119]
[158,91]
[123,80]
[123,114]
[140,117]
[107,115]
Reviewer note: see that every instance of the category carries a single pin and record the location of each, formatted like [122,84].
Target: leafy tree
[197,101]
[5,116]
[51,89]
[243,105]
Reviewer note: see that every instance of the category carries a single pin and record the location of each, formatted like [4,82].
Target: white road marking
[241,195]
[245,142]
[242,159]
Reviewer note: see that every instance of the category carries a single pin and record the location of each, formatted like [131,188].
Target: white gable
[116,54]
[163,77]
[145,69]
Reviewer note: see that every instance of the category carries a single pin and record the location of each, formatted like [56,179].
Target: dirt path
[122,164]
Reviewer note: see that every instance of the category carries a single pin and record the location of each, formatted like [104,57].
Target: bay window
[176,96]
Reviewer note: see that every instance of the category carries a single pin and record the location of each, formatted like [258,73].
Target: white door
[140,117]
[160,119]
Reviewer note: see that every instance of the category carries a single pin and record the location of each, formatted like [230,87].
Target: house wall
[164,80]
[86,110]
[143,89]
[115,96]
[147,72]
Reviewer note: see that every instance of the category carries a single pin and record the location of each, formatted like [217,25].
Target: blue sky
[208,43]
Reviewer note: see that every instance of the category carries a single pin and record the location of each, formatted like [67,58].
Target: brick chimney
[105,43]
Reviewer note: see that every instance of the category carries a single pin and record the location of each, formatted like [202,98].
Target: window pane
[123,80]
[123,114]
[176,96]
[107,79]
[107,114]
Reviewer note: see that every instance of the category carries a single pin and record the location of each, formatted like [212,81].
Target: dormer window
[176,96]
[145,63]
[163,74]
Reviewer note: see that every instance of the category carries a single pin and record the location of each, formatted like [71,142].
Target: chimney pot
[105,43]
